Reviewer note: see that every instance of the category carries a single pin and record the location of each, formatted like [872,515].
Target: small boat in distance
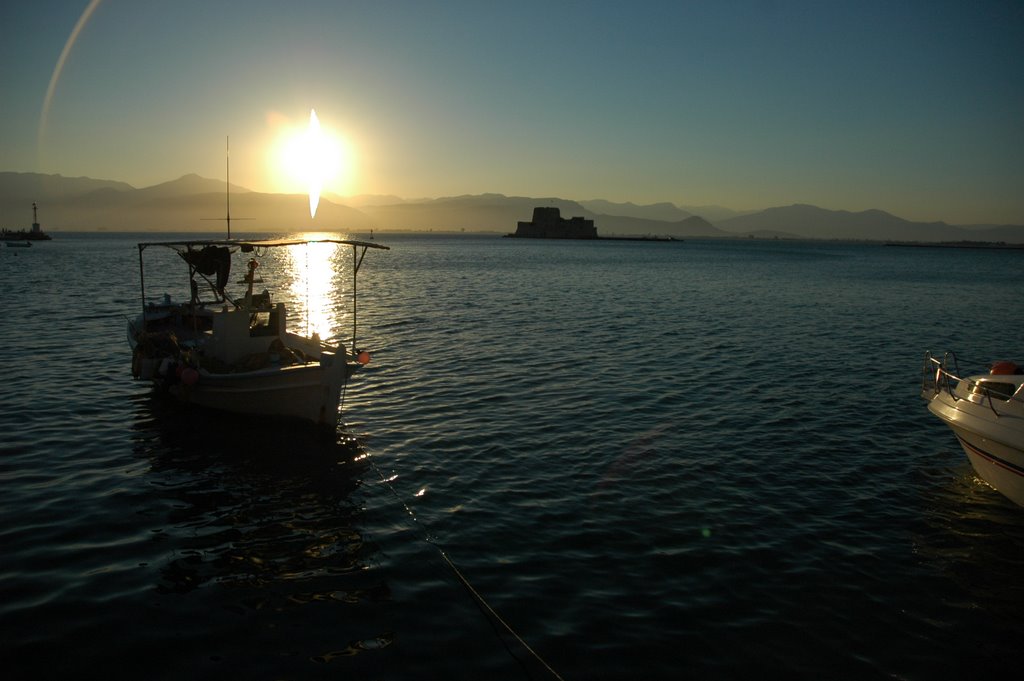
[19,244]
[235,353]
[986,413]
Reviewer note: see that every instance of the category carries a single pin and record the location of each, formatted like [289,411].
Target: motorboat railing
[942,375]
[936,375]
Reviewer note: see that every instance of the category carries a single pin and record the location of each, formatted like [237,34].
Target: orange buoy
[1004,368]
[189,376]
[363,357]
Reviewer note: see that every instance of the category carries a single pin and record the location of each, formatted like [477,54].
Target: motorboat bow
[237,354]
[986,413]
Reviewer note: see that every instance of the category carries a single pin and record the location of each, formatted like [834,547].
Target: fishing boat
[986,413]
[19,244]
[236,353]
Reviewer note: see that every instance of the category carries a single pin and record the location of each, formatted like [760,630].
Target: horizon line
[405,200]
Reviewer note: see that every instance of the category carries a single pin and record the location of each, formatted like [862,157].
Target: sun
[311,159]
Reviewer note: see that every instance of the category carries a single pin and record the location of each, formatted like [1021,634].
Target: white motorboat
[986,413]
[237,354]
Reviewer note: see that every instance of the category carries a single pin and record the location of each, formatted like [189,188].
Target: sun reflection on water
[317,288]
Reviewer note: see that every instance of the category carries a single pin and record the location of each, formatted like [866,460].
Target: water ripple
[704,459]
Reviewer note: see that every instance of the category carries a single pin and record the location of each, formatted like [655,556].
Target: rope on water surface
[480,601]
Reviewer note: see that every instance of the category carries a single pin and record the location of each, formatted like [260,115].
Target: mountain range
[194,203]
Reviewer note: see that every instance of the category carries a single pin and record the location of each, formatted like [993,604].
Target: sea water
[703,459]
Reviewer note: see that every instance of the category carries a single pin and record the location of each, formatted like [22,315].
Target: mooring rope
[306,250]
[344,387]
[481,603]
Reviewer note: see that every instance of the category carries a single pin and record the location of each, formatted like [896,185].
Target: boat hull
[307,392]
[991,442]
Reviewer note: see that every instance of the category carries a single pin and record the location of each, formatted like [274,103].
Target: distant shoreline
[957,244]
[639,238]
[484,233]
[599,238]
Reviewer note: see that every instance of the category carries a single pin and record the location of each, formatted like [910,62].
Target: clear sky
[916,108]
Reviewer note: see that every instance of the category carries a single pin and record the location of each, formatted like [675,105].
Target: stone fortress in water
[548,223]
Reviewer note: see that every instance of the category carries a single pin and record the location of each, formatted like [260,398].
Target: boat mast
[142,287]
[227,186]
[227,183]
[356,261]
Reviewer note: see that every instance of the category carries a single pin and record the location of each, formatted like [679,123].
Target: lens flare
[59,68]
[308,158]
[315,157]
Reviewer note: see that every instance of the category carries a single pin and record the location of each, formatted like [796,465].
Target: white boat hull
[990,436]
[308,392]
[997,469]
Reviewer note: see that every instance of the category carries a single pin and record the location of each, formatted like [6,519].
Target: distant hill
[714,213]
[46,188]
[811,222]
[665,212]
[482,212]
[190,203]
[500,213]
[361,200]
[187,185]
[194,203]
[250,212]
[688,228]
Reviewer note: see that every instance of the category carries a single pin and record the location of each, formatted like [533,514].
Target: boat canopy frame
[181,247]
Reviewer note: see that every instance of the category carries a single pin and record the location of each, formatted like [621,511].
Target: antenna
[227,181]
[227,187]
